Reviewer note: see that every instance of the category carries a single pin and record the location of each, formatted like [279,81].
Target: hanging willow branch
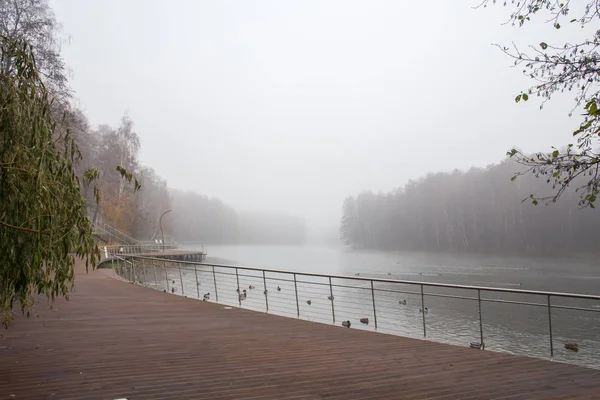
[43,216]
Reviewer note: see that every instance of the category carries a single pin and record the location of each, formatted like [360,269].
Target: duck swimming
[572,346]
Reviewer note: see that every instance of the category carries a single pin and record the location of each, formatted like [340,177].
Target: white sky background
[291,106]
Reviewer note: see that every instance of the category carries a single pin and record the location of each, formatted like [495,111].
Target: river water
[512,328]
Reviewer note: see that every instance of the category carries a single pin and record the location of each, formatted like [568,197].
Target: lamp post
[161,230]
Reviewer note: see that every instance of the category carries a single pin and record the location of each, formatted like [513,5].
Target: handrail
[396,281]
[131,249]
[111,230]
[98,230]
[121,258]
[231,276]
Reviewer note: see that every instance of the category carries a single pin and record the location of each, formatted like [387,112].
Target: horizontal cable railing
[105,235]
[114,233]
[168,243]
[436,311]
[130,249]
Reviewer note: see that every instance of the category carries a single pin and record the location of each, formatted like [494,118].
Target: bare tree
[33,21]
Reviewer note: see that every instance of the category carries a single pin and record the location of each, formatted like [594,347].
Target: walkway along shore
[118,340]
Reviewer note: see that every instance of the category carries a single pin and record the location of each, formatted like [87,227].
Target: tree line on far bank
[200,219]
[100,149]
[480,210]
[195,217]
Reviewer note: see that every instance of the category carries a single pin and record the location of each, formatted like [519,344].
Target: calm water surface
[509,328]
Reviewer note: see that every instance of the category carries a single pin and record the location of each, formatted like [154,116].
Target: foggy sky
[291,106]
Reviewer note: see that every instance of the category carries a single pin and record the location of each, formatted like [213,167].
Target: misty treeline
[195,217]
[200,219]
[481,210]
[96,151]
[105,149]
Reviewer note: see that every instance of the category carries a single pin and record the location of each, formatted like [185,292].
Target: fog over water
[291,106]
[295,123]
[506,327]
[355,138]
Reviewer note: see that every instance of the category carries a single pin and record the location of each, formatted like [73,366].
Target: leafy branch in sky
[557,68]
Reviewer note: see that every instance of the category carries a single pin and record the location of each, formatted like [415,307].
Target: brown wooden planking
[114,339]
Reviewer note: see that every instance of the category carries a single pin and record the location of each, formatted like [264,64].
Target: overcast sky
[293,105]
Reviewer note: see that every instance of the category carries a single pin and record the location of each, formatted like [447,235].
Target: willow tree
[43,216]
[556,67]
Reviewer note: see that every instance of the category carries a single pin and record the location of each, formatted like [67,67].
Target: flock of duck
[243,294]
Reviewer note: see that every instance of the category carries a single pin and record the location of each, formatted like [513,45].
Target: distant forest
[480,210]
[200,219]
[195,218]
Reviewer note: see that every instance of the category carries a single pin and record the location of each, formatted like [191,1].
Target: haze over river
[519,329]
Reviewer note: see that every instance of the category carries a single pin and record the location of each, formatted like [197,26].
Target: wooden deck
[116,340]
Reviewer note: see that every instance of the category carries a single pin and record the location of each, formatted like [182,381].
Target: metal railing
[114,233]
[357,299]
[130,249]
[168,243]
[127,266]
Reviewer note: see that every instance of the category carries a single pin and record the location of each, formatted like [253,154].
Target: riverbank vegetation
[200,219]
[480,210]
[132,209]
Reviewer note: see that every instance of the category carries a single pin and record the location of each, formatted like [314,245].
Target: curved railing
[111,233]
[131,249]
[509,320]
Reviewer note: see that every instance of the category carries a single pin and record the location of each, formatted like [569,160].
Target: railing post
[144,268]
[237,278]
[131,270]
[331,294]
[480,321]
[550,329]
[373,297]
[180,278]
[215,281]
[296,289]
[155,280]
[265,286]
[423,311]
[112,266]
[197,283]
[166,275]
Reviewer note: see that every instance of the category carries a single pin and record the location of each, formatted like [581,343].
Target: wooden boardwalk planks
[116,340]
